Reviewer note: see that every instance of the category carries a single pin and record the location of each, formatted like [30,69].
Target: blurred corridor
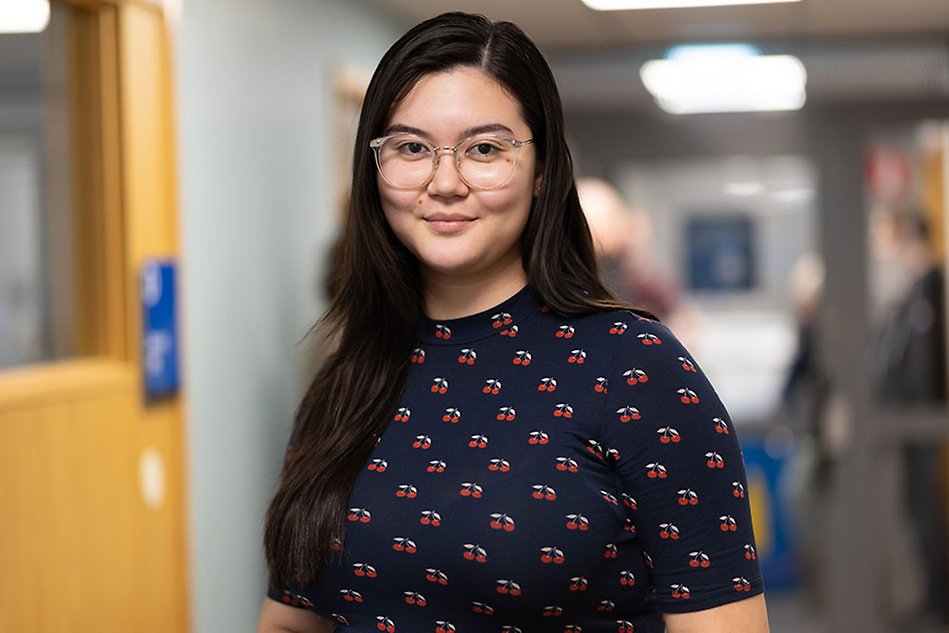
[172,179]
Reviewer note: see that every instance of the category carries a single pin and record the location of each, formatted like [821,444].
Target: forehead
[446,103]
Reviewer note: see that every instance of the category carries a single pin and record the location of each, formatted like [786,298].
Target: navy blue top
[544,473]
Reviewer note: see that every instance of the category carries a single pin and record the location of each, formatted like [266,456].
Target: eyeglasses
[484,162]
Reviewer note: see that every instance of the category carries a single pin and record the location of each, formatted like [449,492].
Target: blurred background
[770,179]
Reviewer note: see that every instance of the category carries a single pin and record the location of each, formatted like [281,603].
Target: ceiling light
[725,78]
[623,5]
[24,16]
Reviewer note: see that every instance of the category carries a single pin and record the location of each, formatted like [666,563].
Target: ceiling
[568,24]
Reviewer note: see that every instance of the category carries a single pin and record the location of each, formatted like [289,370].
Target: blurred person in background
[468,313]
[911,370]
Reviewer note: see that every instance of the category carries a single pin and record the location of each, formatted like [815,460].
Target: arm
[280,618]
[744,616]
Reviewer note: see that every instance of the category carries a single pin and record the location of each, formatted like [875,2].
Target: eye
[411,148]
[485,149]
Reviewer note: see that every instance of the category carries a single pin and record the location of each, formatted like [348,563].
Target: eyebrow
[398,128]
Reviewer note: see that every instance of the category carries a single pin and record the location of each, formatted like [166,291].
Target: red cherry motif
[750,553]
[509,331]
[467,356]
[635,377]
[501,521]
[629,502]
[629,526]
[606,606]
[443,332]
[478,441]
[423,442]
[628,413]
[351,595]
[418,356]
[436,466]
[609,498]
[728,523]
[602,385]
[443,626]
[611,551]
[552,611]
[721,426]
[618,328]
[506,414]
[340,619]
[563,409]
[577,522]
[547,384]
[499,465]
[578,583]
[668,435]
[378,465]
[359,515]
[407,491]
[475,553]
[687,396]
[480,607]
[543,491]
[452,415]
[680,591]
[492,386]
[508,587]
[625,626]
[402,544]
[413,597]
[714,460]
[565,331]
[668,531]
[436,576]
[385,624]
[538,437]
[738,490]
[552,554]
[627,578]
[567,464]
[688,497]
[430,517]
[655,470]
[402,414]
[699,559]
[741,584]
[522,358]
[649,339]
[577,356]
[440,385]
[471,489]
[501,319]
[364,570]
[687,364]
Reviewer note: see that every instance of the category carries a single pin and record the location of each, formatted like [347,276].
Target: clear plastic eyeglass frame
[377,145]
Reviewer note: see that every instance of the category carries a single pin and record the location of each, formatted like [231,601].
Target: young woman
[496,444]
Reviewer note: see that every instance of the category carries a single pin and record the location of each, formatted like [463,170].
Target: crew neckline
[503,319]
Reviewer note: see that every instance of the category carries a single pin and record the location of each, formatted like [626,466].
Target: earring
[537,188]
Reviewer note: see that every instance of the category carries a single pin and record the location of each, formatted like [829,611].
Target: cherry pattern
[528,501]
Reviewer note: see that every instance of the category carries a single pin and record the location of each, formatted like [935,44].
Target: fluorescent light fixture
[725,78]
[625,5]
[24,16]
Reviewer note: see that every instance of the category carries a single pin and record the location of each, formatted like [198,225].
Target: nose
[446,181]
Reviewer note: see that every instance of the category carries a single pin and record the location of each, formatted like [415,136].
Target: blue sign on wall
[159,330]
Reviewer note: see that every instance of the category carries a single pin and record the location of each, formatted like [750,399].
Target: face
[459,233]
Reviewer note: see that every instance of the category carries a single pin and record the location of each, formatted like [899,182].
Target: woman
[496,444]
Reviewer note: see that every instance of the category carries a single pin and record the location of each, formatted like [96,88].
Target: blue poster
[159,329]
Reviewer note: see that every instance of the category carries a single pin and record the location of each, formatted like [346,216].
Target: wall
[256,158]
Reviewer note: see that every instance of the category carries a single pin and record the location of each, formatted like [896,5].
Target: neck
[449,297]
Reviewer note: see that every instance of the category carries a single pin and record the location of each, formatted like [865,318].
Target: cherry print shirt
[543,474]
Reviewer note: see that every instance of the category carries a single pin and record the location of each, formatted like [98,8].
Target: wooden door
[92,492]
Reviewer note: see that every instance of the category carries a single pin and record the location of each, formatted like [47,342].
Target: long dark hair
[377,307]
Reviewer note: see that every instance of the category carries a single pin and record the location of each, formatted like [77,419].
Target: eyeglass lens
[482,162]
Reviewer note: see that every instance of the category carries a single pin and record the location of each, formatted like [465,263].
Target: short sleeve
[678,459]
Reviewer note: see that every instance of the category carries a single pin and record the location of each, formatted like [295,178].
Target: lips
[448,222]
